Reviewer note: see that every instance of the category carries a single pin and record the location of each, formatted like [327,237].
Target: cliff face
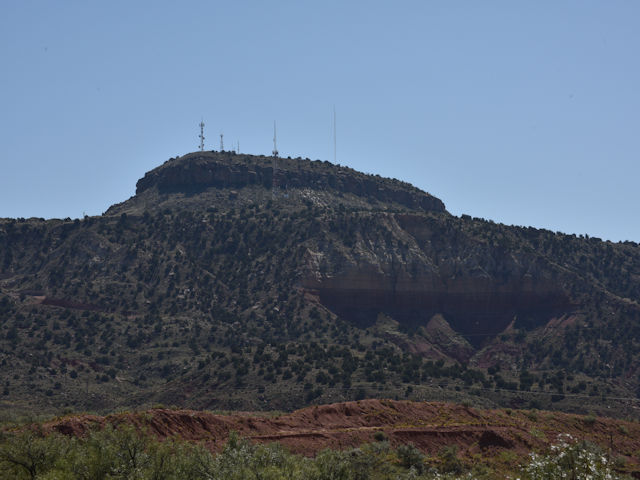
[472,305]
[479,288]
[476,287]
[199,171]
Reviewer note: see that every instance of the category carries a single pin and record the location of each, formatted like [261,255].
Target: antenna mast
[221,143]
[334,136]
[275,148]
[274,181]
[201,135]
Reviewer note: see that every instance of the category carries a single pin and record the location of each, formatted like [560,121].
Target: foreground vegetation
[126,453]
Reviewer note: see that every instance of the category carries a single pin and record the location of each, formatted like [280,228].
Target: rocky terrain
[198,172]
[503,439]
[237,281]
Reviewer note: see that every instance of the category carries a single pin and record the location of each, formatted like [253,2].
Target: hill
[232,282]
[450,438]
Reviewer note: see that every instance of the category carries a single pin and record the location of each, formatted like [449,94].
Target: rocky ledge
[199,171]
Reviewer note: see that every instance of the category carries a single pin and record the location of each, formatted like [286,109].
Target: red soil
[429,426]
[59,302]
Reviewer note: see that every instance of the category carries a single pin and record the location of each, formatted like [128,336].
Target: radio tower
[275,148]
[334,136]
[274,181]
[221,143]
[201,136]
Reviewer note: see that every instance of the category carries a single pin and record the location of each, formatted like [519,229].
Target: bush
[380,436]
[450,463]
[569,459]
[411,457]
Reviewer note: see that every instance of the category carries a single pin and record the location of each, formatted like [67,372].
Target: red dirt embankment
[429,426]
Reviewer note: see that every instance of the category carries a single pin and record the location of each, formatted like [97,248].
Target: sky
[525,113]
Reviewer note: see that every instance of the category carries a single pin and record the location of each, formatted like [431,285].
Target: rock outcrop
[479,289]
[198,171]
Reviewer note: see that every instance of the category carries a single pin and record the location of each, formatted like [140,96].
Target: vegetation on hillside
[202,299]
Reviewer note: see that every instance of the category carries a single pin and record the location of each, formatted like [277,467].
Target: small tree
[30,454]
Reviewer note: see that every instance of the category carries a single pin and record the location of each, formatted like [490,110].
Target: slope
[231,282]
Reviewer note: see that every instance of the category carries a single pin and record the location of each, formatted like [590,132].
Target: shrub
[411,457]
[379,436]
[450,463]
[569,459]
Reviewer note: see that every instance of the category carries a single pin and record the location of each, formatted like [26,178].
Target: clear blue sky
[526,113]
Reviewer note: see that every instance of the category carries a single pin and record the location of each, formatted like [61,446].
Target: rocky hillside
[233,281]
[369,439]
[500,439]
[197,172]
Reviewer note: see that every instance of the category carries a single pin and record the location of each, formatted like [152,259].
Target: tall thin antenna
[221,142]
[335,141]
[275,148]
[238,146]
[201,135]
[274,180]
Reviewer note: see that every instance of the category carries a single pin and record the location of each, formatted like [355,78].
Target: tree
[29,454]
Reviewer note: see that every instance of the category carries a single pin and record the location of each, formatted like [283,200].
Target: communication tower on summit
[334,136]
[274,180]
[221,143]
[275,148]
[201,135]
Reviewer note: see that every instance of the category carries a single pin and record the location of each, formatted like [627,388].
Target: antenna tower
[334,136]
[274,181]
[221,143]
[275,148]
[201,135]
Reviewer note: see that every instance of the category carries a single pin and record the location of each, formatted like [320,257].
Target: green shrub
[449,461]
[570,459]
[590,419]
[411,457]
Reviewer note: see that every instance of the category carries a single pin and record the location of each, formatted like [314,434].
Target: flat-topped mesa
[202,170]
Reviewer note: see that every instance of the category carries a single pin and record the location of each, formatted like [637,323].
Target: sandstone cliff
[199,171]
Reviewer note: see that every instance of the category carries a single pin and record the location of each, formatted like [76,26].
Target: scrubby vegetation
[204,292]
[126,453]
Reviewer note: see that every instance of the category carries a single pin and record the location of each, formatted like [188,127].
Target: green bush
[450,463]
[411,457]
[570,459]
